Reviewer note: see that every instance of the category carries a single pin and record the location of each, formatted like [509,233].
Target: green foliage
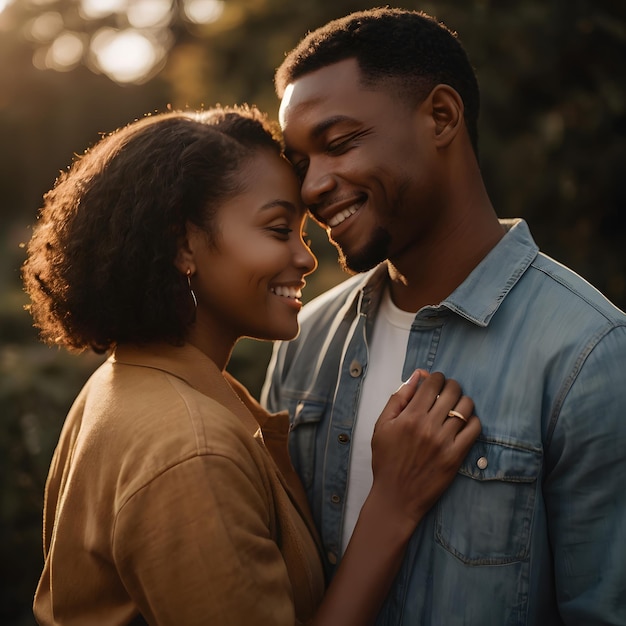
[553,150]
[37,387]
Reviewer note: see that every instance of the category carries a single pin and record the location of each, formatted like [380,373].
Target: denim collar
[479,296]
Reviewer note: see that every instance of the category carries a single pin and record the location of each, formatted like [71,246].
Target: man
[379,112]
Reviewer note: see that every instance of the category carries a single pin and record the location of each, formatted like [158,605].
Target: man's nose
[317,182]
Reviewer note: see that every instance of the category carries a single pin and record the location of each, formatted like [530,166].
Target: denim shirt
[532,530]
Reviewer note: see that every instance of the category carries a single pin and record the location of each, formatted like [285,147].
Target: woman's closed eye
[283,231]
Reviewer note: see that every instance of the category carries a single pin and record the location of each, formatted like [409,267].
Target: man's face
[363,159]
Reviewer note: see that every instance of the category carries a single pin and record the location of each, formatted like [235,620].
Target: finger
[428,392]
[447,399]
[468,434]
[422,400]
[458,416]
[462,410]
[400,399]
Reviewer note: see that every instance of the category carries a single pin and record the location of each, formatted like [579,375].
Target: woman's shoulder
[136,423]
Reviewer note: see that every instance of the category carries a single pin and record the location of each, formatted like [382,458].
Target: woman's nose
[305,260]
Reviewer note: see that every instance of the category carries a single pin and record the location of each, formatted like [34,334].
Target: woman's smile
[257,262]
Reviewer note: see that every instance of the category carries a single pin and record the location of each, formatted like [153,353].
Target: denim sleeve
[271,392]
[585,489]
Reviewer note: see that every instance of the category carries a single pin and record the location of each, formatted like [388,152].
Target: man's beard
[369,255]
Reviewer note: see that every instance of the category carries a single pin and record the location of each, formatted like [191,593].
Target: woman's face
[249,282]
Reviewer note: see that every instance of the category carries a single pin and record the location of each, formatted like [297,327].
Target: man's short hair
[407,49]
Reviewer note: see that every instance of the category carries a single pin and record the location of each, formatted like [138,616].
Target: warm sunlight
[126,40]
[65,52]
[94,9]
[125,56]
[149,13]
[203,11]
[45,27]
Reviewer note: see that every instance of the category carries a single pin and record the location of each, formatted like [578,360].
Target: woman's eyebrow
[280,203]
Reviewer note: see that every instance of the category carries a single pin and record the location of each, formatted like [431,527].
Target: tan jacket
[163,501]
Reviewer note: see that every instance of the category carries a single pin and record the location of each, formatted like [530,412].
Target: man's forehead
[284,103]
[317,86]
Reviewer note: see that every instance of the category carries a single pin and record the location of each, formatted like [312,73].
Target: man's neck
[428,274]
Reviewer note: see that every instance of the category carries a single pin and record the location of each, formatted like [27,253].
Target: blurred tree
[37,386]
[553,150]
[554,125]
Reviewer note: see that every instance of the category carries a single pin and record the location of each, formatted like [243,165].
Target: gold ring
[457,414]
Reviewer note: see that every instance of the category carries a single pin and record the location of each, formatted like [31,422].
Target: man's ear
[447,111]
[185,259]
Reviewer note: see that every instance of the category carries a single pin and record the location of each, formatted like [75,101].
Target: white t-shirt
[383,377]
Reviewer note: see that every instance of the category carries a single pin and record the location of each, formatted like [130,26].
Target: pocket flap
[496,460]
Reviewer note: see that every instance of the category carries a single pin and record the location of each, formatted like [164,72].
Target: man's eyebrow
[321,127]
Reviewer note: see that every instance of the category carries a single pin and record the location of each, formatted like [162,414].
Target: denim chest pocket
[485,517]
[305,419]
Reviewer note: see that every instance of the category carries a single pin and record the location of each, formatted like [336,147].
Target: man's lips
[342,216]
[333,214]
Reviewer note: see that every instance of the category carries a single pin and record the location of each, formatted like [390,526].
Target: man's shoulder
[573,294]
[328,304]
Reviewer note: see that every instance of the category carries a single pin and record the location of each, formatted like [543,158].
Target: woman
[170,498]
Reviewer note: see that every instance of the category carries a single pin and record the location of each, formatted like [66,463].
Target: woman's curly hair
[100,266]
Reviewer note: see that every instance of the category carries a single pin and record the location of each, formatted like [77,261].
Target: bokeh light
[126,40]
[126,56]
[94,9]
[66,52]
[149,13]
[45,27]
[203,11]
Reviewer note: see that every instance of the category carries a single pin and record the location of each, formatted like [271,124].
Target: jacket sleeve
[584,488]
[194,547]
[271,392]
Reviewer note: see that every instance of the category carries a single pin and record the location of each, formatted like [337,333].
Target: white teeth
[287,292]
[335,220]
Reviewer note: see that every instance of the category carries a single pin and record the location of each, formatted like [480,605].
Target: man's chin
[368,257]
[355,265]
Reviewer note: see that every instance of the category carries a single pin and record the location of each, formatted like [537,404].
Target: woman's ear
[447,111]
[185,259]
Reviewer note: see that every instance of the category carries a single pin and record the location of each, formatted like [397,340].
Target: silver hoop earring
[193,295]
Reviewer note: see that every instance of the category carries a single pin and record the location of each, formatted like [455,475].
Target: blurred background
[552,139]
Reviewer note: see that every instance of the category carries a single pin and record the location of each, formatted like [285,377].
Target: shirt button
[355,369]
[482,462]
[335,498]
[343,438]
[332,558]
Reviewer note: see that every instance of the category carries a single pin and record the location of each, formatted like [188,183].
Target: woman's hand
[418,447]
